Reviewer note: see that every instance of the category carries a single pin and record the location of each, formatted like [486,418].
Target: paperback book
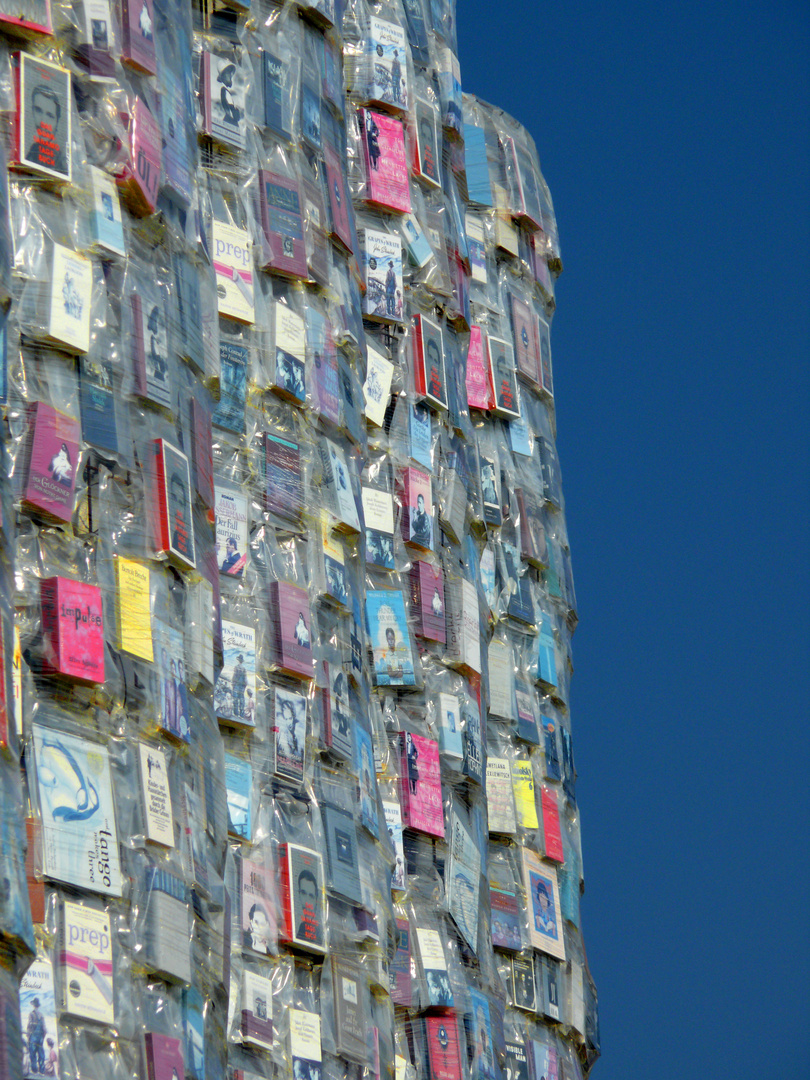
[97,404]
[53,445]
[427,601]
[293,644]
[156,796]
[545,918]
[150,349]
[429,370]
[382,274]
[235,689]
[72,629]
[463,875]
[174,717]
[164,1057]
[351,1011]
[290,354]
[231,512]
[233,264]
[390,638]
[86,962]
[105,219]
[441,1042]
[378,513]
[43,118]
[504,380]
[239,796]
[283,486]
[420,784]
[386,166]
[305,1044]
[341,850]
[223,98]
[393,824]
[38,1016]
[258,910]
[302,894]
[283,225]
[256,1024]
[289,728]
[174,517]
[229,412]
[386,49]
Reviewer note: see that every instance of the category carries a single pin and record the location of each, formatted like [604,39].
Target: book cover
[417,507]
[474,227]
[235,690]
[290,354]
[463,638]
[441,1041]
[289,734]
[230,409]
[175,522]
[337,712]
[351,1012]
[105,218]
[463,880]
[552,837]
[324,369]
[546,1061]
[390,638]
[388,78]
[504,380]
[551,753]
[257,1010]
[35,16]
[533,541]
[449,723]
[156,795]
[420,784]
[500,797]
[474,764]
[543,348]
[524,993]
[429,371]
[138,40]
[339,200]
[334,560]
[341,850]
[258,916]
[224,86]
[302,886]
[486,572]
[52,465]
[386,167]
[239,796]
[367,779]
[194,1032]
[546,652]
[150,348]
[233,264]
[526,717]
[283,225]
[43,117]
[311,112]
[551,987]
[515,583]
[290,604]
[427,158]
[501,679]
[377,387]
[478,1022]
[97,404]
[427,600]
[525,339]
[231,513]
[528,187]
[38,1016]
[72,629]
[420,433]
[400,971]
[418,41]
[505,916]
[178,160]
[393,825]
[337,483]
[139,178]
[479,391]
[305,1044]
[200,628]
[202,463]
[382,273]
[545,918]
[276,97]
[169,652]
[86,962]
[490,489]
[283,487]
[71,288]
[417,244]
[523,788]
[164,1057]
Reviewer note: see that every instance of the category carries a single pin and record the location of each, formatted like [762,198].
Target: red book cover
[73,629]
[32,18]
[164,1057]
[383,142]
[140,178]
[201,452]
[338,199]
[137,32]
[428,351]
[42,127]
[302,897]
[282,224]
[175,527]
[53,462]
[427,598]
[441,1040]
[293,633]
[479,386]
[551,826]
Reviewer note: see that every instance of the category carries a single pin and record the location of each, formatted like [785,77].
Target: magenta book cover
[293,629]
[421,784]
[338,199]
[478,391]
[164,1057]
[137,25]
[283,224]
[417,507]
[522,326]
[73,629]
[141,177]
[54,461]
[427,594]
[383,141]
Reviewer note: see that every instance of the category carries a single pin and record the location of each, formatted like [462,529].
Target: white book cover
[233,263]
[157,797]
[71,289]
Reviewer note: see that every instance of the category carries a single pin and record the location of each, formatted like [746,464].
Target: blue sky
[676,143]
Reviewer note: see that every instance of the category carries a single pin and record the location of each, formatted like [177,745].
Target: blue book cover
[421,434]
[552,755]
[97,404]
[238,785]
[475,159]
[230,410]
[474,764]
[367,779]
[194,1035]
[38,1015]
[341,849]
[276,106]
[417,32]
[484,1064]
[390,638]
[546,660]
[189,311]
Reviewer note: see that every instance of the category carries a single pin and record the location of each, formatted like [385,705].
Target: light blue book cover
[390,638]
[546,662]
[238,784]
[38,1017]
[421,434]
[520,438]
[475,160]
[367,779]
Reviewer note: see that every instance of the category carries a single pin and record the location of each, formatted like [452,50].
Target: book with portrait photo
[223,91]
[524,989]
[289,726]
[504,379]
[416,493]
[175,525]
[338,721]
[543,898]
[235,689]
[426,161]
[305,1044]
[390,638]
[105,220]
[429,370]
[150,349]
[378,512]
[302,895]
[38,1016]
[53,459]
[231,513]
[258,922]
[138,37]
[275,84]
[289,605]
[43,126]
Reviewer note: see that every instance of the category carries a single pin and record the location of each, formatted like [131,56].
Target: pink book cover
[551,826]
[416,492]
[164,1057]
[140,179]
[73,629]
[383,141]
[53,462]
[282,224]
[479,393]
[441,1036]
[525,340]
[294,642]
[138,37]
[202,453]
[427,595]
[338,199]
[421,784]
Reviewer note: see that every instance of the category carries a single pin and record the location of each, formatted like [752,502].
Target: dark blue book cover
[230,411]
[341,849]
[189,312]
[276,108]
[417,32]
[97,405]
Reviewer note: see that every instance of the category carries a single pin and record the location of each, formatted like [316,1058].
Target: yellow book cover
[523,787]
[133,609]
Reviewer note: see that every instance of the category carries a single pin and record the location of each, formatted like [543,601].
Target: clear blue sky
[676,143]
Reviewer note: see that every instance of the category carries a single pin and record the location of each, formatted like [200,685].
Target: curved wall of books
[286,759]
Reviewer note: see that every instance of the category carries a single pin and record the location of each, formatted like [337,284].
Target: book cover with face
[429,361]
[305,1044]
[283,225]
[276,94]
[176,525]
[293,631]
[390,638]
[289,734]
[44,117]
[258,910]
[53,463]
[543,896]
[235,690]
[137,24]
[417,503]
[303,883]
[378,512]
[504,380]
[337,481]
[382,268]
[225,87]
[231,512]
[427,597]
[524,994]
[337,711]
[290,353]
[388,70]
[383,142]
[420,784]
[38,1016]
[524,337]
[71,288]
[150,349]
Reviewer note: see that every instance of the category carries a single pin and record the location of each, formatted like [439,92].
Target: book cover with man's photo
[386,49]
[53,462]
[150,349]
[428,368]
[390,638]
[72,629]
[349,992]
[427,600]
[289,604]
[38,1016]
[138,36]
[283,486]
[525,339]
[543,902]
[231,513]
[386,165]
[341,850]
[223,97]
[378,512]
[416,492]
[420,784]
[174,518]
[168,648]
[524,991]
[97,404]
[282,224]
[43,121]
[258,924]
[463,875]
[85,958]
[302,897]
[544,376]
[442,1048]
[256,1022]
[71,287]
[289,727]
[235,689]
[504,379]
[334,562]
[79,835]
[229,412]
[426,161]
[290,354]
[382,273]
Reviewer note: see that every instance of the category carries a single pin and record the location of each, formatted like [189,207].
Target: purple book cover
[338,199]
[400,970]
[138,31]
[282,475]
[140,179]
[201,452]
[522,326]
[421,784]
[53,463]
[386,165]
[283,225]
[164,1057]
[427,596]
[294,642]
